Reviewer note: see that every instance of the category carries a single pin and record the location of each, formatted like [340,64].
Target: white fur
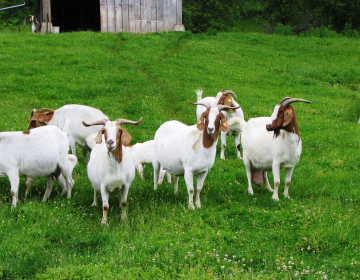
[79,134]
[37,154]
[235,126]
[179,149]
[267,153]
[144,153]
[106,174]
[61,180]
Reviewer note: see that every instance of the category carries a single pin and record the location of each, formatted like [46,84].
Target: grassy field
[234,235]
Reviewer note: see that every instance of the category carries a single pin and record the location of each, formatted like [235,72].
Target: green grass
[234,235]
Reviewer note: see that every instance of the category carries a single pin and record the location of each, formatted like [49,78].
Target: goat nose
[110,142]
[210,129]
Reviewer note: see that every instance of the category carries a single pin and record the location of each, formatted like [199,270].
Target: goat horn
[203,103]
[124,121]
[288,101]
[285,98]
[229,92]
[33,111]
[223,107]
[100,122]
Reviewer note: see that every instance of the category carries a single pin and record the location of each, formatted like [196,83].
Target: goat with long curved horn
[265,151]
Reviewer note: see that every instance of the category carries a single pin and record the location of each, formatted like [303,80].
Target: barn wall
[135,16]
[140,16]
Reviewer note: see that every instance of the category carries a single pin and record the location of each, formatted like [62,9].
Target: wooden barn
[135,16]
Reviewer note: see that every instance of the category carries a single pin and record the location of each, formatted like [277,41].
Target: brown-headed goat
[111,167]
[272,143]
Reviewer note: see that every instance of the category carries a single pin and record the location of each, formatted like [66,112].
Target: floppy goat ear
[288,116]
[201,122]
[125,137]
[98,139]
[223,124]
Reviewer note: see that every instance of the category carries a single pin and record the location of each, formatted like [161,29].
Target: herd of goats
[268,143]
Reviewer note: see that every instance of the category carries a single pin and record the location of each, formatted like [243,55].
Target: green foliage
[303,15]
[321,32]
[200,15]
[283,30]
[234,235]
[14,18]
[349,32]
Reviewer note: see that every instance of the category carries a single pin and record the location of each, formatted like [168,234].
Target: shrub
[283,30]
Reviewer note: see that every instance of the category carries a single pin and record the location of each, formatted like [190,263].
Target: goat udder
[257,178]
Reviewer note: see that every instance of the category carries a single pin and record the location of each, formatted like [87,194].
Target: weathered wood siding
[140,16]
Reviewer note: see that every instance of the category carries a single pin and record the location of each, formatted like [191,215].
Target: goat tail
[66,126]
[237,122]
[72,161]
[199,94]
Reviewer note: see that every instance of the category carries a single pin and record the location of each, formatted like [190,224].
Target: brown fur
[226,100]
[286,119]
[40,118]
[27,132]
[202,125]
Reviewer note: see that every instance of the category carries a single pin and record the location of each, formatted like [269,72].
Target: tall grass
[234,234]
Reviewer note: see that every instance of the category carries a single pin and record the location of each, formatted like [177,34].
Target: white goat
[36,153]
[144,153]
[265,151]
[190,150]
[77,134]
[35,27]
[111,168]
[235,126]
[61,180]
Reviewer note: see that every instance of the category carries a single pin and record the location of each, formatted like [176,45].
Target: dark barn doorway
[76,15]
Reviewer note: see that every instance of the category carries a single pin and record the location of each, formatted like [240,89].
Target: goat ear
[125,137]
[98,139]
[201,122]
[223,124]
[288,116]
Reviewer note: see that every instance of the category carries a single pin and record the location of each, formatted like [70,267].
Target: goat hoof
[191,207]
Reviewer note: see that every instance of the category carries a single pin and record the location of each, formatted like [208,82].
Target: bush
[349,32]
[283,30]
[200,15]
[321,32]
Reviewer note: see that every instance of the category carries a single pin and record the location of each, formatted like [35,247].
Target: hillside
[234,234]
